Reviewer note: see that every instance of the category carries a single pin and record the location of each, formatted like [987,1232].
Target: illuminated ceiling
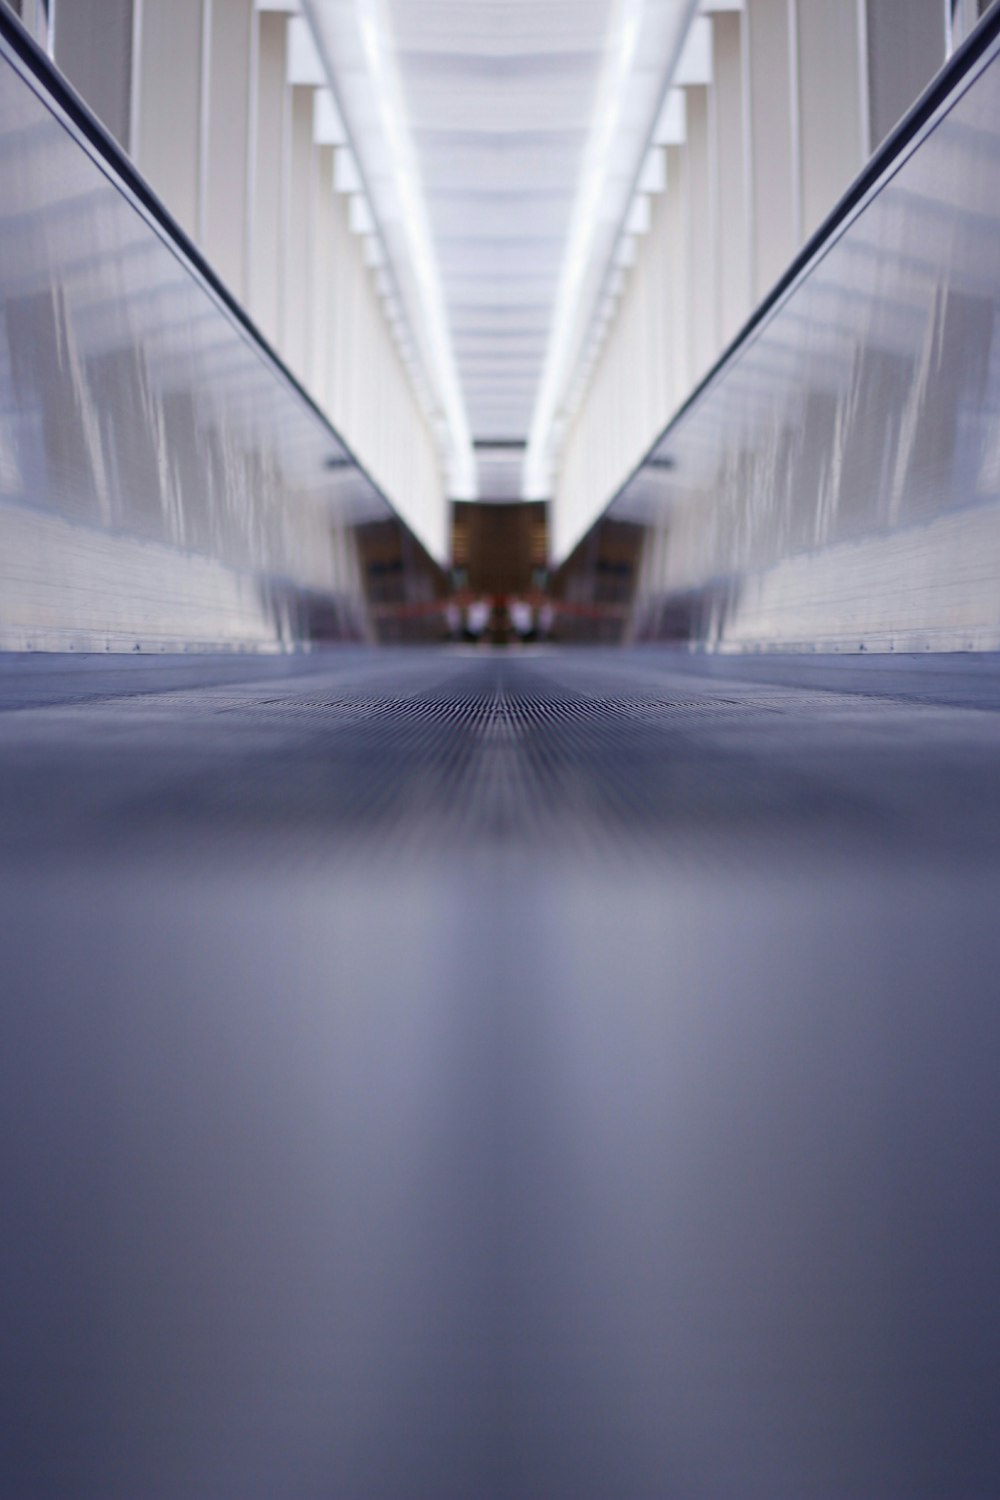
[498,145]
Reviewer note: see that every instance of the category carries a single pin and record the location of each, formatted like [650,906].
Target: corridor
[499,749]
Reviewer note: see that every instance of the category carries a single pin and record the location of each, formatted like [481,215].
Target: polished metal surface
[836,486]
[429,1076]
[162,483]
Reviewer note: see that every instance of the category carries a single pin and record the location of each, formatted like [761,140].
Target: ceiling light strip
[562,358]
[435,344]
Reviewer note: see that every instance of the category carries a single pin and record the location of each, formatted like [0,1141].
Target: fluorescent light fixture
[573,296]
[375,33]
[611,98]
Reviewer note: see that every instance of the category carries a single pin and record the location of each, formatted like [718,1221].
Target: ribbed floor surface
[461,752]
[436,1076]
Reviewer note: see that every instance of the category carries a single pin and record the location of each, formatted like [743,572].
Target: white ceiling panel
[498,106]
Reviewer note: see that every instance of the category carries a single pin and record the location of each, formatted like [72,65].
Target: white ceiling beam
[627,250]
[346,177]
[640,215]
[304,65]
[359,215]
[694,66]
[671,127]
[653,177]
[328,127]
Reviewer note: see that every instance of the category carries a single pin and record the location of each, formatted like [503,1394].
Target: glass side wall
[836,485]
[163,484]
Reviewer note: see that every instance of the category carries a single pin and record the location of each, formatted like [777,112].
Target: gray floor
[495,1074]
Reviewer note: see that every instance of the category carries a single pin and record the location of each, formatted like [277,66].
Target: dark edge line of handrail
[945,81]
[44,70]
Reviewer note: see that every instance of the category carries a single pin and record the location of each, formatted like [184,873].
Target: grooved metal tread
[429,1076]
[463,750]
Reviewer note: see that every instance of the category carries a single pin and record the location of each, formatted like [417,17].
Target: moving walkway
[498,1072]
